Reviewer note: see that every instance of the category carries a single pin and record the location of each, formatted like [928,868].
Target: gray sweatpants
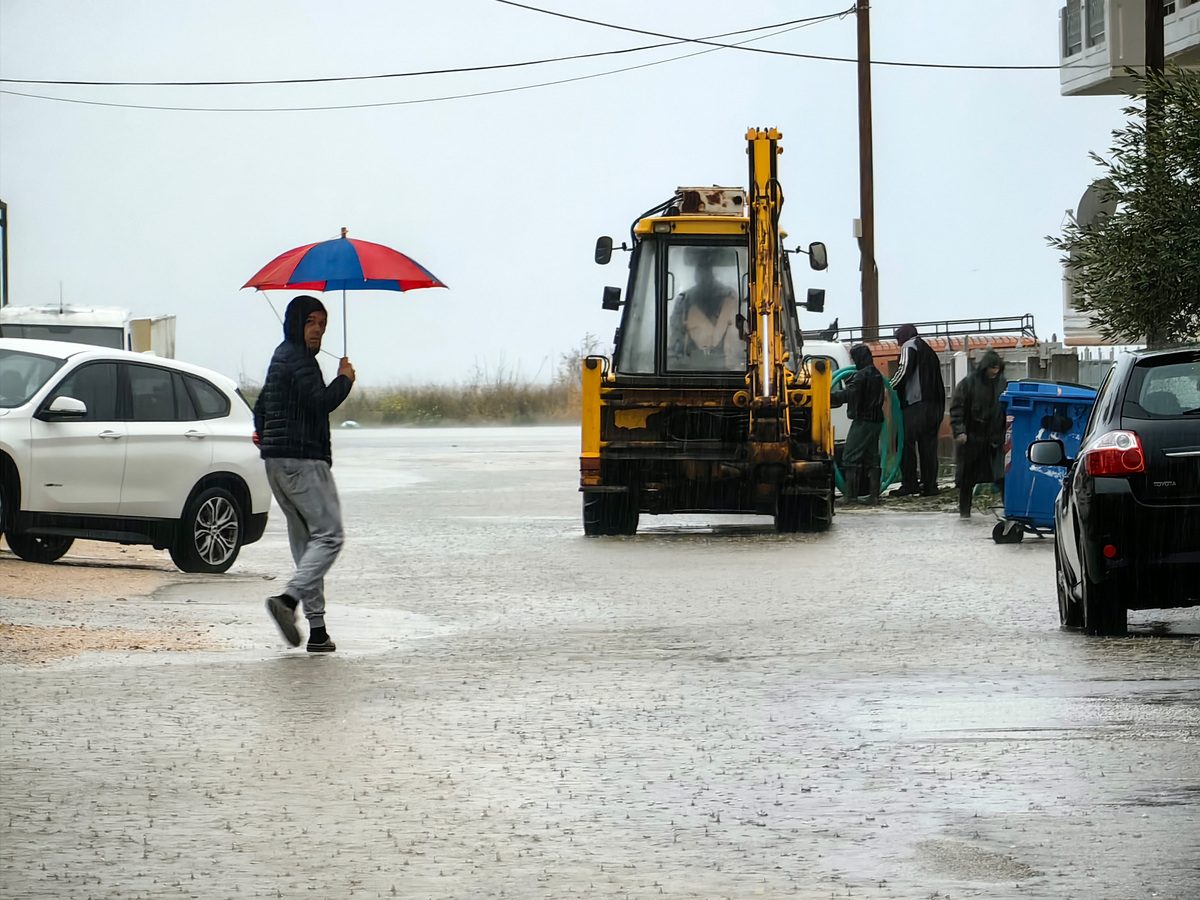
[305,491]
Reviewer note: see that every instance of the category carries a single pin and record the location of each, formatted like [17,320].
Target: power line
[709,42]
[452,71]
[793,25]
[509,90]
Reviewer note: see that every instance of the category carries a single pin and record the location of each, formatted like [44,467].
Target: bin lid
[1044,390]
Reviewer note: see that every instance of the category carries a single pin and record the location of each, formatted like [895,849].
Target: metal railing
[1015,325]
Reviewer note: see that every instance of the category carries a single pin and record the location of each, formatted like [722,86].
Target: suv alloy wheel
[210,533]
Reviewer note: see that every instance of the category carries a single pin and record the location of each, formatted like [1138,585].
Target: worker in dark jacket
[863,394]
[978,419]
[918,383]
[291,421]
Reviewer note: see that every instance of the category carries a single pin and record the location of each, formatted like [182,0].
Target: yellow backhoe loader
[709,403]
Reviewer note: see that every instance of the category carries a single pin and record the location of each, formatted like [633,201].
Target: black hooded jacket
[864,391]
[291,414]
[976,411]
[975,408]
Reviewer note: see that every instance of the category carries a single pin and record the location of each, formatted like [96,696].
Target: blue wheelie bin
[1037,411]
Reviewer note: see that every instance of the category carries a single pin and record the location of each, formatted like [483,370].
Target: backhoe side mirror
[818,258]
[603,251]
[816,300]
[612,298]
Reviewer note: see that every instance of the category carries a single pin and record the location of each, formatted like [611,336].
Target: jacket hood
[861,355]
[297,314]
[990,358]
[905,333]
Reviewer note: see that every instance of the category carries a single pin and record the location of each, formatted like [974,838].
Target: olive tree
[1136,272]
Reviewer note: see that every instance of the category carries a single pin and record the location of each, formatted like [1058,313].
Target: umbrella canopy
[344,264]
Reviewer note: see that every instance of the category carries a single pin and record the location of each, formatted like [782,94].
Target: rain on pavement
[707,709]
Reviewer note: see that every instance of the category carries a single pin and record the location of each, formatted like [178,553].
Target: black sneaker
[325,646]
[284,615]
[903,492]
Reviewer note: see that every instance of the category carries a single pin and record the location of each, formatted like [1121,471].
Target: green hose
[891,436]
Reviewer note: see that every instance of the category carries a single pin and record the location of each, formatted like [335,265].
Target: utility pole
[1155,49]
[1155,64]
[866,179]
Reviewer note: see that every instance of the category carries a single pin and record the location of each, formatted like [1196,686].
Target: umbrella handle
[344,329]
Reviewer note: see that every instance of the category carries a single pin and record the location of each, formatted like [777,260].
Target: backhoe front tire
[608,514]
[803,513]
[791,512]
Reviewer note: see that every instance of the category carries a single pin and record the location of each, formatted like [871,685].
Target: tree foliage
[1137,272]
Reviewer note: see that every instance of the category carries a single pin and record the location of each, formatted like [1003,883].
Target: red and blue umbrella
[344,264]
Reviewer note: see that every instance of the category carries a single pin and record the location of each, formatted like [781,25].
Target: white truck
[118,329]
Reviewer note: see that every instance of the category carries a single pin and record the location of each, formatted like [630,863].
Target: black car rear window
[1164,391]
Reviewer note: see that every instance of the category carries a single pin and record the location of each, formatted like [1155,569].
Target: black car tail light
[1116,453]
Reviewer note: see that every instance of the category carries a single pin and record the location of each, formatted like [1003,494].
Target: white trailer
[115,328]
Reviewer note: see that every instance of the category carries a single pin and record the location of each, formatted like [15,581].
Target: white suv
[107,445]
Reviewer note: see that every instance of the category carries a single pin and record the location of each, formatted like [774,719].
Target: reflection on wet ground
[706,709]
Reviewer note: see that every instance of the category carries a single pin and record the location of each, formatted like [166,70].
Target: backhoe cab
[708,404]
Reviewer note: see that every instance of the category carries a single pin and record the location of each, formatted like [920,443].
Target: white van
[839,355]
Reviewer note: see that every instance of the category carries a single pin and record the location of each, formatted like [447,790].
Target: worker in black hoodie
[979,422]
[863,394]
[291,422]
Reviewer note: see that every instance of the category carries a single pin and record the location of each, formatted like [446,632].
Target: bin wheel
[1008,532]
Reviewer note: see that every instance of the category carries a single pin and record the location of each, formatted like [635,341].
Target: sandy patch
[54,611]
[39,643]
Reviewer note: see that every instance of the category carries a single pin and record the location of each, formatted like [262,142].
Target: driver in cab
[703,323]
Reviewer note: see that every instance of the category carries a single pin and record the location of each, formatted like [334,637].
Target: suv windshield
[22,374]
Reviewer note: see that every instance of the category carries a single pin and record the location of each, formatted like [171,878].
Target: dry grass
[487,398]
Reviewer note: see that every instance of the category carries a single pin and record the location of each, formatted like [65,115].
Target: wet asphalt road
[708,709]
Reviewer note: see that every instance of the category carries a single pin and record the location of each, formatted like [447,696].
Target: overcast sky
[502,195]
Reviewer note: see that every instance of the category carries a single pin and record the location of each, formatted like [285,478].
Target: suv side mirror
[603,251]
[1048,453]
[816,300]
[818,258]
[612,298]
[62,409]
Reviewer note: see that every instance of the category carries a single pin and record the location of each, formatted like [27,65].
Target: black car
[1127,520]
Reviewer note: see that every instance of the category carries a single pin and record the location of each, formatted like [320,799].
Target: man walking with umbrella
[291,421]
